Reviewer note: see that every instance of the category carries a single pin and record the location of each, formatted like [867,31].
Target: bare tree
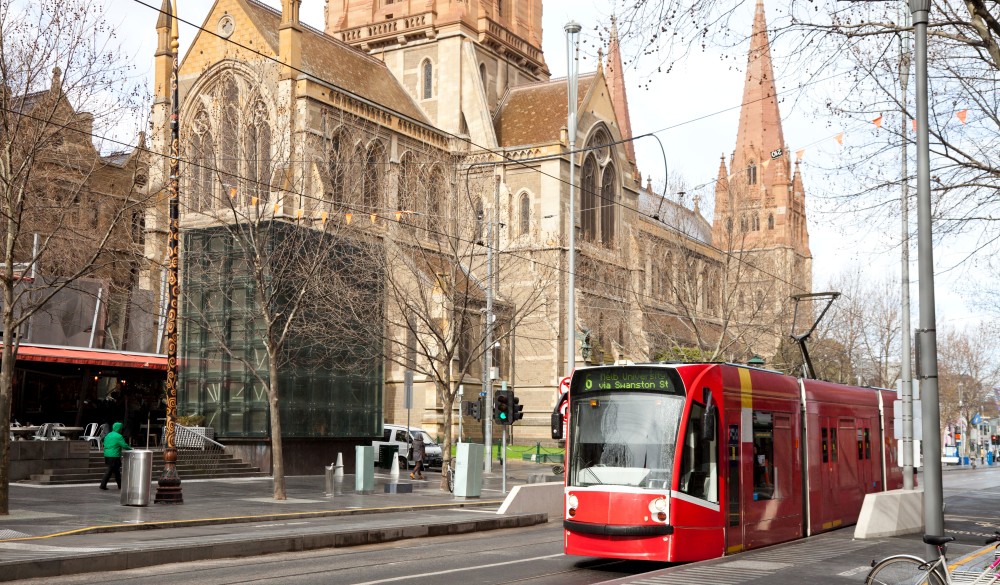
[63,84]
[437,280]
[858,340]
[970,372]
[842,60]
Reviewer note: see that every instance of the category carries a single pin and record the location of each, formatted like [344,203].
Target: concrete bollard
[339,466]
[394,469]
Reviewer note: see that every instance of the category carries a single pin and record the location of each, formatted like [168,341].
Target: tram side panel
[843,442]
[762,469]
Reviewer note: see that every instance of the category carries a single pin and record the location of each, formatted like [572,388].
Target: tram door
[734,484]
[829,475]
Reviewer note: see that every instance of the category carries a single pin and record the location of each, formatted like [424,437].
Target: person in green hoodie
[113,445]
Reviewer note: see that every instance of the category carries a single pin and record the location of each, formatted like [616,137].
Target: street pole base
[168,488]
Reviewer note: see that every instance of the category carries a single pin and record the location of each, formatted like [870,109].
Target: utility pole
[906,375]
[488,354]
[930,407]
[572,29]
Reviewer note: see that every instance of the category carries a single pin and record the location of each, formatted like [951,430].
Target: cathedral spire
[616,90]
[760,131]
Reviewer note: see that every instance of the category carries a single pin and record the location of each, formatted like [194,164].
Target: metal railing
[196,448]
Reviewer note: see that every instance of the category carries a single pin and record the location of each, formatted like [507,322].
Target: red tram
[684,462]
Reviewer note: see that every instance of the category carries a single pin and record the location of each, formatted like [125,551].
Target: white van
[398,435]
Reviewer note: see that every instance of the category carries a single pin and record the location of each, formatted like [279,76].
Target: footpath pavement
[62,530]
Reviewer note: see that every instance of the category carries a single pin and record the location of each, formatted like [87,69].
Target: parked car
[398,435]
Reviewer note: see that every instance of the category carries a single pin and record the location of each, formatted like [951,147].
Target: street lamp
[927,337]
[572,29]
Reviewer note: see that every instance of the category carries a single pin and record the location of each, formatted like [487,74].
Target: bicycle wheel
[902,570]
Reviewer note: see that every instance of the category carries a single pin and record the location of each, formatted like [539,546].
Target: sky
[694,110]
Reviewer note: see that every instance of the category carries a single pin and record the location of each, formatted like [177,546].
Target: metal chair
[91,434]
[42,434]
[54,434]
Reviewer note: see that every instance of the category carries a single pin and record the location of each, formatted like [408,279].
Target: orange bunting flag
[961,115]
[253,201]
[299,213]
[322,216]
[348,217]
[839,138]
[398,215]
[232,192]
[277,206]
[913,123]
[878,121]
[799,154]
[373,216]
[764,163]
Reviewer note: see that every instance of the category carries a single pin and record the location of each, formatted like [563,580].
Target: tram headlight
[572,503]
[658,509]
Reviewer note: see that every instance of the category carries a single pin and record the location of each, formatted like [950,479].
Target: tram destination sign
[627,379]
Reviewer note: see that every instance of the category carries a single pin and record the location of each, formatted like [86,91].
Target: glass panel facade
[322,393]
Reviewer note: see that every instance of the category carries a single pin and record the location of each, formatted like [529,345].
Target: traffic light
[503,402]
[476,409]
[518,411]
[958,436]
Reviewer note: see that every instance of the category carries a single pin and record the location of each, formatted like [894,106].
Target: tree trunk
[277,457]
[447,401]
[6,395]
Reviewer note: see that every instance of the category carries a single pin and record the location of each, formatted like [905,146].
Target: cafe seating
[91,434]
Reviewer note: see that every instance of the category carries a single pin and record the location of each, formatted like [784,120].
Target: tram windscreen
[623,426]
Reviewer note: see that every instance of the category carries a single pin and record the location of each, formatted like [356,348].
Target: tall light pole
[927,336]
[168,488]
[906,374]
[572,29]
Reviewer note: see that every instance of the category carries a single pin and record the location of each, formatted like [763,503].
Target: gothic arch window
[608,201]
[482,74]
[525,214]
[588,199]
[257,149]
[598,144]
[500,4]
[744,223]
[203,165]
[770,221]
[756,222]
[406,192]
[729,225]
[752,173]
[759,297]
[436,194]
[230,145]
[427,75]
[373,177]
[335,172]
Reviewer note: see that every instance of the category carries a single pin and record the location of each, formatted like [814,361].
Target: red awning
[96,357]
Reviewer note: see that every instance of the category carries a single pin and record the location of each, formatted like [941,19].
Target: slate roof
[535,113]
[336,62]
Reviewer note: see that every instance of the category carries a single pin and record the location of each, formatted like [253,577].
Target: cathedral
[428,144]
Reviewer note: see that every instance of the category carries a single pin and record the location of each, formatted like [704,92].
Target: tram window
[833,444]
[868,444]
[698,459]
[763,456]
[826,446]
[861,444]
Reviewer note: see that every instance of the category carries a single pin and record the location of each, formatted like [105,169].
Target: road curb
[194,522]
[134,559]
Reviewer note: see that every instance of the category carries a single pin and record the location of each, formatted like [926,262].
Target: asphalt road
[528,555]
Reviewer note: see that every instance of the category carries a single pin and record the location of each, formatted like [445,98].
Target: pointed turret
[759,132]
[290,39]
[164,55]
[616,90]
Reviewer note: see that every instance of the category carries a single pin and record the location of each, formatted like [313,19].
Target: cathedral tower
[456,59]
[760,211]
